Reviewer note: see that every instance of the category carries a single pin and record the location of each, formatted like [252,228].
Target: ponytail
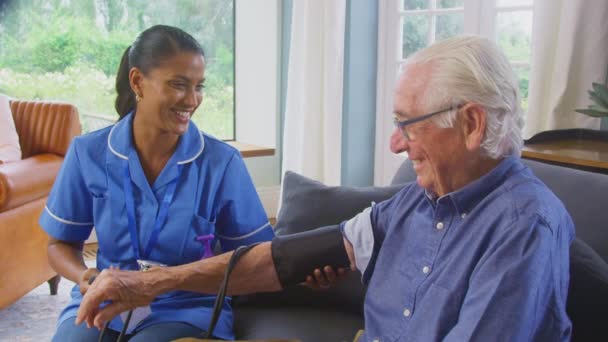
[125,98]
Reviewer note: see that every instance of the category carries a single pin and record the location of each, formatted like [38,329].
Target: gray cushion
[587,304]
[307,204]
[303,323]
[585,196]
[298,312]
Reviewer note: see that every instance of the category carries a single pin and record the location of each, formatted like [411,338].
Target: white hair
[474,69]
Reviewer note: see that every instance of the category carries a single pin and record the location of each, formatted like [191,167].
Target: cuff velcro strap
[298,255]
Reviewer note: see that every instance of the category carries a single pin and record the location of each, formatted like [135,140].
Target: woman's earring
[137,98]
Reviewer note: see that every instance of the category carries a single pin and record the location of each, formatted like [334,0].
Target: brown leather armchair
[45,132]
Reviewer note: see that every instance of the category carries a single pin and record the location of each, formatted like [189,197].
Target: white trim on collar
[110,145]
[200,133]
[179,162]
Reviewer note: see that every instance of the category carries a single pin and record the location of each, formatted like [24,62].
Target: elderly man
[481,243]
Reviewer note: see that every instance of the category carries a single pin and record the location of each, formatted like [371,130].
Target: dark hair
[151,48]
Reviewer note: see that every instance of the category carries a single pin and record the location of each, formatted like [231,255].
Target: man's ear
[136,80]
[474,121]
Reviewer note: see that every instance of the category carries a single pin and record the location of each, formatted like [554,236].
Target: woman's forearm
[66,259]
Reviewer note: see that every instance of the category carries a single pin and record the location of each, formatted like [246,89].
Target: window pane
[514,31]
[450,3]
[449,25]
[504,3]
[523,75]
[415,32]
[415,4]
[70,51]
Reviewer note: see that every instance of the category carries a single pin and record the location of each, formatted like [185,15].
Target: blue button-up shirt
[488,262]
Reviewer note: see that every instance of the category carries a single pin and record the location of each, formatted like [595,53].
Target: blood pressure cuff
[296,256]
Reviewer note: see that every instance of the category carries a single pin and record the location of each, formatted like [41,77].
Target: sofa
[337,314]
[45,131]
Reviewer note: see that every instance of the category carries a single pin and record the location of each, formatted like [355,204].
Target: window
[69,50]
[513,31]
[510,24]
[424,22]
[406,26]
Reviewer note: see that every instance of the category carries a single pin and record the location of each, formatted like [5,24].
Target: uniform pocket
[113,240]
[101,208]
[192,248]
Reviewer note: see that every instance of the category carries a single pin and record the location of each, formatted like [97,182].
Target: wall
[257,54]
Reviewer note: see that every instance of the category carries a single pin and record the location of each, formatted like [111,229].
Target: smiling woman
[160,82]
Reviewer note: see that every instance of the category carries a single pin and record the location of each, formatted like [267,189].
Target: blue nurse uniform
[214,194]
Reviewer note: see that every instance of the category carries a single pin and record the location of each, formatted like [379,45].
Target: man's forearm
[254,272]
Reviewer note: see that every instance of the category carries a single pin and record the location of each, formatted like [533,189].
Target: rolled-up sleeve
[359,232]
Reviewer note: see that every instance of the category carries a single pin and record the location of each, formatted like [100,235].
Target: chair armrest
[28,179]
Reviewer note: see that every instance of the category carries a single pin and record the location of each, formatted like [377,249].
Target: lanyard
[161,216]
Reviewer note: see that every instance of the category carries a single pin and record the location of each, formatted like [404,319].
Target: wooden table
[249,150]
[583,154]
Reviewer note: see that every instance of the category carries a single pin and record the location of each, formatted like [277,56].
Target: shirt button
[463,215]
[407,312]
[426,270]
[376,340]
[439,225]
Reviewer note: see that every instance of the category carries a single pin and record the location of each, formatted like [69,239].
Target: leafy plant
[599,96]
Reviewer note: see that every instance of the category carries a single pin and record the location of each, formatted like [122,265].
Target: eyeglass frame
[404,123]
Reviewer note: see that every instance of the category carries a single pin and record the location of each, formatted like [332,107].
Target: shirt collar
[466,198]
[189,146]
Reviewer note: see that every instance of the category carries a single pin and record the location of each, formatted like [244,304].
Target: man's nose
[398,142]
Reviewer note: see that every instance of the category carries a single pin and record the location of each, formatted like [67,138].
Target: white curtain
[569,52]
[312,133]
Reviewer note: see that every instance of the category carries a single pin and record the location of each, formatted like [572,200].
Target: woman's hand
[326,279]
[87,278]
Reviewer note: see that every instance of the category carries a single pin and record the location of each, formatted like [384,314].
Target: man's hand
[124,289]
[85,278]
[326,279]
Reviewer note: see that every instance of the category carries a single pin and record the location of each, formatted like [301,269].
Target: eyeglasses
[406,125]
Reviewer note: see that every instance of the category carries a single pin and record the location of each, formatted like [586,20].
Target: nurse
[155,188]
